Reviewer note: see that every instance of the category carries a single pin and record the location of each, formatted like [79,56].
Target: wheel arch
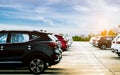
[36,54]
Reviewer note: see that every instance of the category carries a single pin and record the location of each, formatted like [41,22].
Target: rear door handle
[29,47]
[1,48]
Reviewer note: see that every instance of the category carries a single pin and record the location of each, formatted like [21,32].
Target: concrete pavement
[84,59]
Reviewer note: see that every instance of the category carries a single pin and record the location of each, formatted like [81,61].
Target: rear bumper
[56,58]
[59,57]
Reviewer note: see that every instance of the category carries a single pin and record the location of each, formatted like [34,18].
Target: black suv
[33,49]
[104,42]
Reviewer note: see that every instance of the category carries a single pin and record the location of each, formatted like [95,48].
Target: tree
[112,32]
[76,38]
[103,33]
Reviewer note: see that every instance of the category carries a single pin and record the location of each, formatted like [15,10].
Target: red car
[64,46]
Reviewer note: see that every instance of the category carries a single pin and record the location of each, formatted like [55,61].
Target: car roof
[23,31]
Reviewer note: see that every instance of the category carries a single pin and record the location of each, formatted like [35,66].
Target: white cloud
[81,8]
[42,10]
[88,15]
[49,2]
[98,15]
[2,5]
[14,27]
[49,29]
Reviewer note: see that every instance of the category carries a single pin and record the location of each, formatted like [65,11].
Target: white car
[92,40]
[113,43]
[95,42]
[116,45]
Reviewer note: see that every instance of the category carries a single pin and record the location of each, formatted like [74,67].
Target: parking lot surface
[81,59]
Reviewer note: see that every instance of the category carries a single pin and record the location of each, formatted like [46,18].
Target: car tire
[103,47]
[36,65]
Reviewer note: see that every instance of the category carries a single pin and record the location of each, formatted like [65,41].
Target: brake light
[53,44]
[118,42]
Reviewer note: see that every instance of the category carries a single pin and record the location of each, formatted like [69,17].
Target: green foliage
[76,38]
[105,32]
[80,38]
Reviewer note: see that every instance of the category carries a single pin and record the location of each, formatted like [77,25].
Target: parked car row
[102,42]
[33,49]
[65,40]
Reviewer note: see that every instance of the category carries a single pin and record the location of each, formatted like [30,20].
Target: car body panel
[34,46]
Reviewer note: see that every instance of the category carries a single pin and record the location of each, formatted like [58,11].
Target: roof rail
[43,30]
[35,31]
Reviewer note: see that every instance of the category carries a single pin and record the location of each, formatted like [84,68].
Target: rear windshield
[42,37]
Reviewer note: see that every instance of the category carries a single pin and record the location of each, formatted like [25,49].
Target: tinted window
[41,36]
[45,37]
[19,37]
[35,36]
[3,37]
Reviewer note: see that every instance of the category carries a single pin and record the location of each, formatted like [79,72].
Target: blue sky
[60,16]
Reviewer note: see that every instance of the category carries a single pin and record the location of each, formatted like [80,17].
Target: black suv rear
[104,42]
[33,49]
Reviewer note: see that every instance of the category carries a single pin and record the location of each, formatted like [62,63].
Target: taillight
[118,42]
[53,44]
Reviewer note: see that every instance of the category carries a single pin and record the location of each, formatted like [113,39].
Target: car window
[109,38]
[19,37]
[35,36]
[118,39]
[3,38]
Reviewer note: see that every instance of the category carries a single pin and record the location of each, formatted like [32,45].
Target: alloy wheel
[103,47]
[37,66]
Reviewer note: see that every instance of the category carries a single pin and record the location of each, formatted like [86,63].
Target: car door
[17,47]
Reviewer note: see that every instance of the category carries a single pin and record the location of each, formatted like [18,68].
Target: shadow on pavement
[54,71]
[116,58]
[65,55]
[10,69]
[23,70]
